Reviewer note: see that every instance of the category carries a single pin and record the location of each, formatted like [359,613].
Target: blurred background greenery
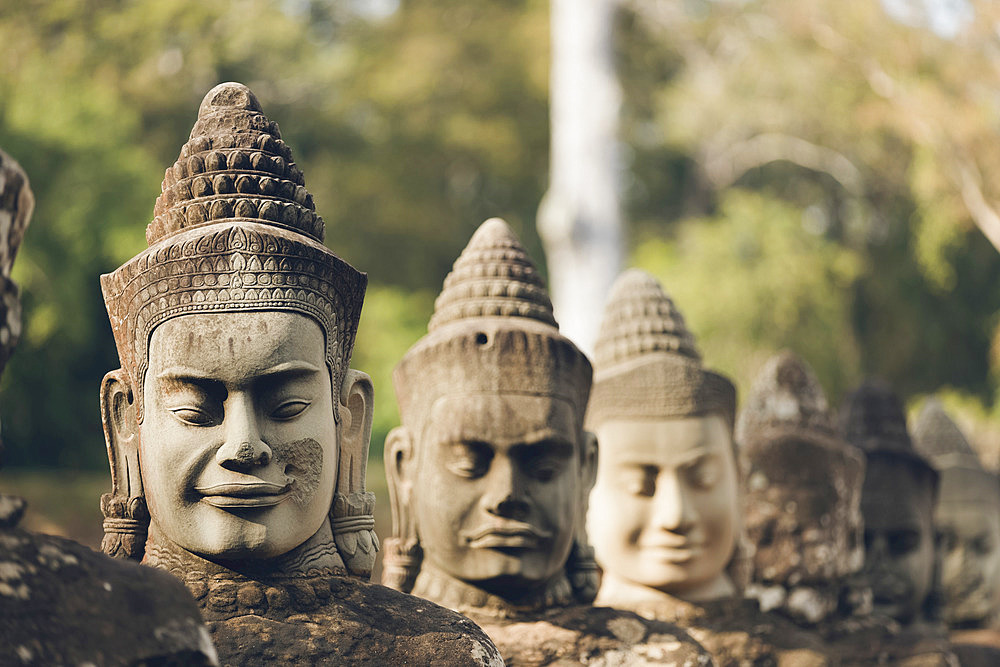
[800,173]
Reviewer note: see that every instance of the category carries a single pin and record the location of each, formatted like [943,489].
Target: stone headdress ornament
[492,331]
[646,364]
[873,420]
[234,229]
[963,477]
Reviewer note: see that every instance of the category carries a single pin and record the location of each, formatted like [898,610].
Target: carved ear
[398,455]
[588,462]
[357,397]
[121,434]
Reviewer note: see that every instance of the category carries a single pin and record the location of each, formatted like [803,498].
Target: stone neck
[316,556]
[621,593]
[440,587]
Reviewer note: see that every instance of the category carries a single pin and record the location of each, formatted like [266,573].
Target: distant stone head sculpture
[16,205]
[665,512]
[489,471]
[235,418]
[967,518]
[900,490]
[802,494]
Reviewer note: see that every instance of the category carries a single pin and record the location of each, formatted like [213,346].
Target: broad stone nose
[244,447]
[244,455]
[504,496]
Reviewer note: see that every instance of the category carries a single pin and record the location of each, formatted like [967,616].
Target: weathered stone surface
[236,419]
[967,518]
[63,604]
[490,472]
[321,617]
[16,205]
[802,499]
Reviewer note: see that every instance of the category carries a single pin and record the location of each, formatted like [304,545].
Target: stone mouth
[511,535]
[245,495]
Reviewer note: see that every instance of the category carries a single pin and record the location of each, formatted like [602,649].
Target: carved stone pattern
[493,277]
[640,319]
[239,267]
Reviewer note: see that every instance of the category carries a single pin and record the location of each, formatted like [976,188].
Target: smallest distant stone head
[898,500]
[802,502]
[967,518]
[664,513]
[490,469]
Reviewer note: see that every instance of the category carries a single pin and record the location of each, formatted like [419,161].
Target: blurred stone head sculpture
[802,502]
[900,490]
[234,416]
[490,470]
[967,519]
[665,513]
[16,205]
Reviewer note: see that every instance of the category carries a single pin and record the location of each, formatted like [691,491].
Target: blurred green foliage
[799,174]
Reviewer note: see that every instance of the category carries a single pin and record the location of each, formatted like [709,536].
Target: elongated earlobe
[403,555]
[352,516]
[126,518]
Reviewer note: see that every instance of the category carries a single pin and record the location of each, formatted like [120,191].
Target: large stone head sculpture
[234,416]
[802,493]
[16,205]
[967,519]
[665,512]
[490,469]
[897,503]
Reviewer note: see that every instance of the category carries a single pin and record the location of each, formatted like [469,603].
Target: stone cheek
[592,636]
[337,620]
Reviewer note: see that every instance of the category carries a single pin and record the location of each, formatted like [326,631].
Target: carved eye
[469,459]
[705,474]
[290,409]
[192,416]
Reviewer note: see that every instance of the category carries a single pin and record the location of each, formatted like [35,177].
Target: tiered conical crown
[873,419]
[234,230]
[640,319]
[938,438]
[493,277]
[234,166]
[785,395]
[647,365]
[492,331]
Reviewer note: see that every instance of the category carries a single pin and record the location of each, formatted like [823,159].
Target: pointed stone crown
[787,399]
[873,418]
[938,438]
[234,167]
[640,319]
[646,362]
[234,230]
[493,277]
[492,331]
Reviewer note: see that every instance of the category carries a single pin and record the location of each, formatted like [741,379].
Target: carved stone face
[803,513]
[238,447]
[499,488]
[969,542]
[898,508]
[664,512]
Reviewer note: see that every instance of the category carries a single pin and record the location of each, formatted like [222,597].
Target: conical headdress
[938,438]
[233,230]
[492,331]
[646,364]
[873,420]
[963,477]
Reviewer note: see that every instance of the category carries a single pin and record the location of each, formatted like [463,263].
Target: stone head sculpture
[967,519]
[802,493]
[664,513]
[16,205]
[900,489]
[489,471]
[234,417]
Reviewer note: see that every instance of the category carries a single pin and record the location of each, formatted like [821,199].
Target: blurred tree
[870,144]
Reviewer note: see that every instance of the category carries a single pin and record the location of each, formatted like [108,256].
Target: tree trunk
[580,218]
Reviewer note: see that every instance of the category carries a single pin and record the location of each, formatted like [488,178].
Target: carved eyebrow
[289,368]
[193,376]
